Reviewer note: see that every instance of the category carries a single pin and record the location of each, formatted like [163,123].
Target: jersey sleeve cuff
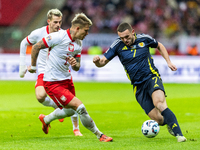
[28,41]
[45,43]
[78,55]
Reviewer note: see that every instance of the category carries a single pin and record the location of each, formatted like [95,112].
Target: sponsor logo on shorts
[63,98]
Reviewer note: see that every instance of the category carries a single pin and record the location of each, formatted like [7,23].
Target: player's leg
[43,98]
[75,124]
[74,118]
[68,100]
[155,114]
[159,101]
[56,114]
[86,120]
[41,93]
[144,99]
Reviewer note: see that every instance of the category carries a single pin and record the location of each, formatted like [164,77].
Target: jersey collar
[47,29]
[68,32]
[135,35]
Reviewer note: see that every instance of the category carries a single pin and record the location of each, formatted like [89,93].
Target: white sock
[87,121]
[75,123]
[49,102]
[59,114]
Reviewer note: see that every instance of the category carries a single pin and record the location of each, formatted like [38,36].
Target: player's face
[82,32]
[127,37]
[54,23]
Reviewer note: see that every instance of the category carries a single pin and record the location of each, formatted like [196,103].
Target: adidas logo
[156,85]
[124,48]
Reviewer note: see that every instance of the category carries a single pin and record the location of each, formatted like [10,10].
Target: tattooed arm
[34,54]
[75,63]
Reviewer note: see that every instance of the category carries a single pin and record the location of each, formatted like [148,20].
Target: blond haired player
[66,46]
[54,20]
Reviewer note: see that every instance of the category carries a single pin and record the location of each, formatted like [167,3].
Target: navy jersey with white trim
[136,59]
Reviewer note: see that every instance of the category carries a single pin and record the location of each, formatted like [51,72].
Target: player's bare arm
[34,54]
[75,63]
[165,55]
[100,62]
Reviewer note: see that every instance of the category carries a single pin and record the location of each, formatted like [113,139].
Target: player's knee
[160,104]
[41,97]
[69,112]
[75,115]
[81,110]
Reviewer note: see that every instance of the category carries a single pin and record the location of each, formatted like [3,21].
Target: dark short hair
[124,26]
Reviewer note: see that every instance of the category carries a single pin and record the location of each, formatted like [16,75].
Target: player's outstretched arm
[34,54]
[100,62]
[22,65]
[165,55]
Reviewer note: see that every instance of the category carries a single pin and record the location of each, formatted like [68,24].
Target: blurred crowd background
[165,20]
[158,18]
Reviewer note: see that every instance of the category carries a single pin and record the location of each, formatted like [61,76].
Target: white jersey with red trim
[62,47]
[34,37]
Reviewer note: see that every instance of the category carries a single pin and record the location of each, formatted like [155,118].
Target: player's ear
[48,21]
[133,31]
[77,28]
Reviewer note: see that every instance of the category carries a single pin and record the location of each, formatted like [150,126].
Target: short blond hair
[53,12]
[81,19]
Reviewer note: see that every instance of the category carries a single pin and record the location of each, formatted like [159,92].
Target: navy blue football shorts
[144,91]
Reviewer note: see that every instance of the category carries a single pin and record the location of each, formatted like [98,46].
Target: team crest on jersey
[63,98]
[48,38]
[141,44]
[71,47]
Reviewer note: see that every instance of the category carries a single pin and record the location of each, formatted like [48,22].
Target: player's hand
[72,61]
[22,70]
[31,69]
[96,59]
[172,66]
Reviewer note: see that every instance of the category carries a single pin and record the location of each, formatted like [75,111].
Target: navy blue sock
[171,120]
[164,122]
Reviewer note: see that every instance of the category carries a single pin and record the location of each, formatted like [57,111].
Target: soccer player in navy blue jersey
[133,52]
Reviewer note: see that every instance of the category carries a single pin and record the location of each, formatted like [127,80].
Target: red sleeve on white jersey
[52,39]
[45,43]
[77,55]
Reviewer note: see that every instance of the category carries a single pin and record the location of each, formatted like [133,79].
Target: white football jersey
[35,37]
[61,47]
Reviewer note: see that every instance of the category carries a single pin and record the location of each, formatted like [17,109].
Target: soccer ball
[150,128]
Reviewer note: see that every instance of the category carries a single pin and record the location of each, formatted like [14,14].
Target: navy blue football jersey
[136,59]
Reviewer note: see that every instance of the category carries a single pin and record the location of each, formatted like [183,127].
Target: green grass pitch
[113,108]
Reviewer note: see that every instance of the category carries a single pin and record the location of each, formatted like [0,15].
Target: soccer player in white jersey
[66,46]
[54,23]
